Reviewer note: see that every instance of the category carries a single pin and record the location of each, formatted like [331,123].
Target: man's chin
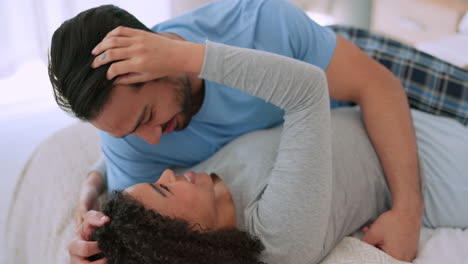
[182,122]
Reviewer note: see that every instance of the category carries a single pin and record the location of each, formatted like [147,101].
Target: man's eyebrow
[138,123]
[157,189]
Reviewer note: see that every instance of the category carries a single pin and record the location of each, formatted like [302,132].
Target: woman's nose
[167,176]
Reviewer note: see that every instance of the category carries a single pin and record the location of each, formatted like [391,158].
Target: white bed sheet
[436,246]
[443,245]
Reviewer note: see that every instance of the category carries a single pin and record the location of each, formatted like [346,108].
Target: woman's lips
[190,176]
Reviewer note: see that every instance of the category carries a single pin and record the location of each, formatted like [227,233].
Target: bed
[40,218]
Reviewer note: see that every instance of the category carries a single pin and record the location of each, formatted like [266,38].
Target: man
[189,119]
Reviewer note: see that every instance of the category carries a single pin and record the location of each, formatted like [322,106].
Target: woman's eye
[164,187]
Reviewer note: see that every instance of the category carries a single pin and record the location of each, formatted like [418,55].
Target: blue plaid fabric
[432,85]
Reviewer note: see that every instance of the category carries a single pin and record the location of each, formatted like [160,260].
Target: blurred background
[28,113]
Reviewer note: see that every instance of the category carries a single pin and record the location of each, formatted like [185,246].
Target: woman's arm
[292,214]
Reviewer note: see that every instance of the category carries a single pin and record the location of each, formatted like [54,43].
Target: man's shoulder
[219,21]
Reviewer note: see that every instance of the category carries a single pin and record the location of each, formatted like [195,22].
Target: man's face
[159,107]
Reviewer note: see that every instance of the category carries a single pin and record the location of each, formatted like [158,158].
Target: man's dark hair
[79,89]
[136,235]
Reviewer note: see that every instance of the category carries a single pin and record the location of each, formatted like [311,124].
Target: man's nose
[152,135]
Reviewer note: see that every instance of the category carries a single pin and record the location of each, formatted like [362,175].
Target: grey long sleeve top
[288,207]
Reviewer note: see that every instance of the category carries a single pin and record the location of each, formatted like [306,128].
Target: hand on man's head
[136,55]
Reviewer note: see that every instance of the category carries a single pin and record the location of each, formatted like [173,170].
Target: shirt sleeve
[100,167]
[291,215]
[285,29]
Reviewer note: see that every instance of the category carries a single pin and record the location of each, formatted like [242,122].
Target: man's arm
[354,76]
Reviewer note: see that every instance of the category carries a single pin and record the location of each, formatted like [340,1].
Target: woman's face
[198,198]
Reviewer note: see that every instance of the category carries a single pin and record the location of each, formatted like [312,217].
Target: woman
[309,192]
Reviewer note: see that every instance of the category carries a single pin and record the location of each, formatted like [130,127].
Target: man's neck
[198,97]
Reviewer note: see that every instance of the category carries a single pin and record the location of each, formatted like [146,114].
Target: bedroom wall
[356,12]
[28,115]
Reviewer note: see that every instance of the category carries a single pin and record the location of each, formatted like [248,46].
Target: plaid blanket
[432,85]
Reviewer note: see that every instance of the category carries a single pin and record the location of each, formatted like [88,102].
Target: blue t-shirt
[271,25]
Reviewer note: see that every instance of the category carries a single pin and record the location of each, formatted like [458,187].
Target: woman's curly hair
[139,235]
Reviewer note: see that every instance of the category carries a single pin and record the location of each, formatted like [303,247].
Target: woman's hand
[80,248]
[141,56]
[145,55]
